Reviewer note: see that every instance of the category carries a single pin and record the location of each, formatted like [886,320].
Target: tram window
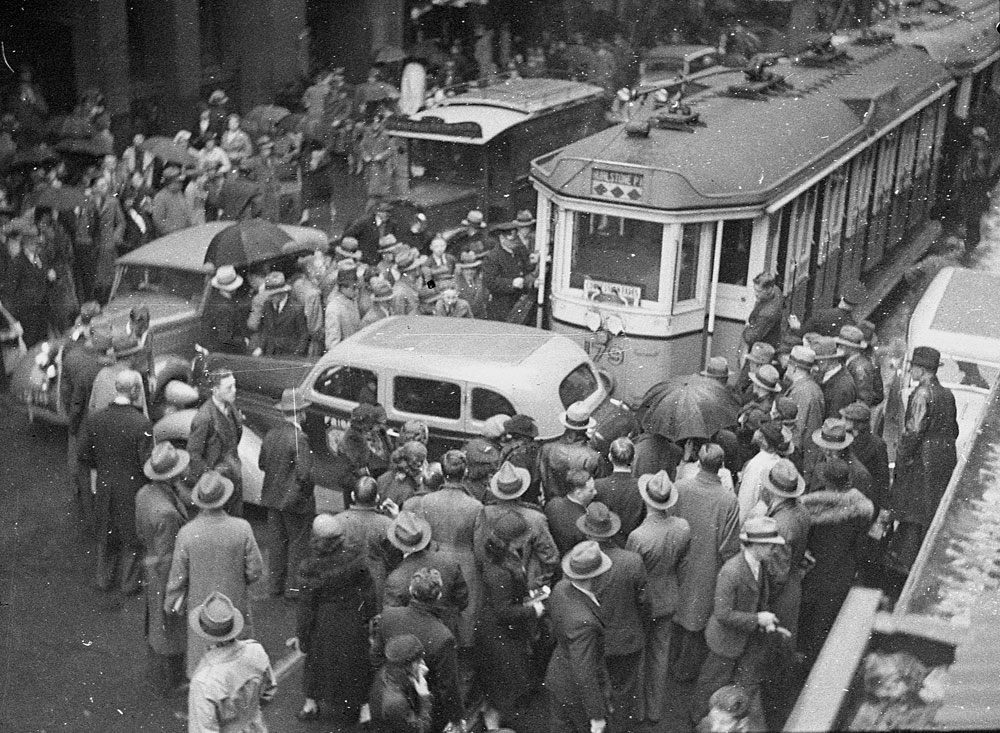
[614,248]
[689,259]
[735,259]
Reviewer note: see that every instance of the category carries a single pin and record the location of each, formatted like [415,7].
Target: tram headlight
[614,324]
[593,321]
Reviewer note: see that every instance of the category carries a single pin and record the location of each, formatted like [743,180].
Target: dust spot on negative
[431,284]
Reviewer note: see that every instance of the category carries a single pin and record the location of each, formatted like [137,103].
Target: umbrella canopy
[389,55]
[65,198]
[94,147]
[168,151]
[264,116]
[251,240]
[688,407]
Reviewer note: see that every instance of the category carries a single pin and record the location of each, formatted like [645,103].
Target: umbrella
[168,151]
[264,116]
[248,241]
[65,198]
[389,54]
[688,407]
[34,156]
[94,147]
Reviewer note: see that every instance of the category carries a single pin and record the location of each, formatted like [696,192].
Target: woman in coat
[505,626]
[840,516]
[213,552]
[337,601]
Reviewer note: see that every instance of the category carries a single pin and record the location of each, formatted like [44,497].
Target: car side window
[348,383]
[427,397]
[486,403]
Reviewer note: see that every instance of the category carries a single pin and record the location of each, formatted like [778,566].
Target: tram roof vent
[759,81]
[820,52]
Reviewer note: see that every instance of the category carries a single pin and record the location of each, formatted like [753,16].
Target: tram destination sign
[616,185]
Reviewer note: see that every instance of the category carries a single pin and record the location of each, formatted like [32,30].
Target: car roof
[185,249]
[960,326]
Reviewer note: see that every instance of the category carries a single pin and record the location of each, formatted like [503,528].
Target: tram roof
[750,151]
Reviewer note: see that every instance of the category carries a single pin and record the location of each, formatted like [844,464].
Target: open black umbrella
[249,241]
[688,407]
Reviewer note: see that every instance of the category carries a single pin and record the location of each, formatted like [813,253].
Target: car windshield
[578,385]
[146,280]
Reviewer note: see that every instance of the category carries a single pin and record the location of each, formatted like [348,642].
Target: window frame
[701,277]
[473,388]
[332,401]
[427,417]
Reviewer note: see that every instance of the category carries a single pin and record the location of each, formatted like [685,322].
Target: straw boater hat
[474,218]
[717,368]
[348,248]
[468,260]
[510,481]
[577,417]
[784,480]
[761,353]
[293,400]
[657,490]
[766,377]
[408,532]
[166,462]
[212,490]
[833,434]
[761,530]
[598,521]
[275,283]
[216,619]
[226,279]
[825,347]
[852,337]
[585,561]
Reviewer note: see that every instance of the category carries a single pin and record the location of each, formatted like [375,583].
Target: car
[966,330]
[453,374]
[170,277]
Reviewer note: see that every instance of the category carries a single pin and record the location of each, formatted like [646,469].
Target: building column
[268,47]
[113,60]
[179,29]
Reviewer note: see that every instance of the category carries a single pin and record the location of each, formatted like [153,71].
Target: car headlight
[615,324]
[593,321]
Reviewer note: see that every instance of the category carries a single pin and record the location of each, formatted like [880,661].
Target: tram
[821,168]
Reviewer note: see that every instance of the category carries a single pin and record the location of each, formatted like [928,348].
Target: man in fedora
[381,295]
[662,542]
[215,435]
[308,285]
[520,447]
[471,236]
[223,322]
[406,290]
[620,490]
[772,442]
[829,321]
[411,535]
[214,552]
[764,322]
[925,457]
[571,450]
[717,369]
[577,678]
[507,273]
[171,208]
[712,513]
[741,618]
[870,450]
[806,393]
[159,514]
[388,248]
[623,596]
[283,327]
[115,445]
[562,512]
[342,318]
[867,379]
[287,463]
[370,229]
[835,441]
[760,353]
[469,280]
[525,229]
[765,385]
[234,678]
[834,380]
[538,553]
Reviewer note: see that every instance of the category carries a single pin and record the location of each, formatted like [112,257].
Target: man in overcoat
[806,394]
[764,322]
[215,436]
[506,273]
[662,542]
[571,450]
[867,377]
[562,512]
[925,458]
[620,490]
[835,381]
[712,513]
[116,443]
[365,527]
[577,678]
[283,327]
[223,323]
[159,515]
[287,461]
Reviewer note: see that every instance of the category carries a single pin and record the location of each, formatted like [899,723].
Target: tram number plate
[616,185]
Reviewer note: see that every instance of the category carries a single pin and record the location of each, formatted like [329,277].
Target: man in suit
[577,678]
[867,378]
[712,513]
[215,437]
[870,450]
[764,322]
[805,393]
[283,327]
[624,603]
[835,381]
[342,317]
[286,460]
[562,512]
[506,273]
[450,305]
[440,649]
[411,535]
[30,280]
[572,450]
[366,527]
[114,446]
[538,551]
[662,542]
[159,515]
[223,323]
[740,619]
[620,491]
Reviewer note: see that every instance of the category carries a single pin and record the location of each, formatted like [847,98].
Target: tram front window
[735,260]
[612,249]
